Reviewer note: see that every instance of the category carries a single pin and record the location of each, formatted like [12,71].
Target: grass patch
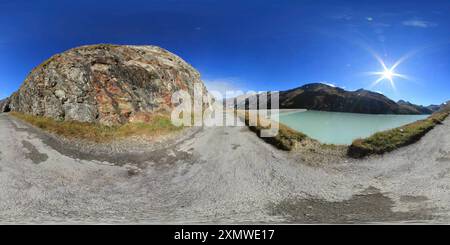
[286,139]
[158,124]
[393,139]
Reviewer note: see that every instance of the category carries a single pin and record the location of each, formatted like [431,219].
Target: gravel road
[219,175]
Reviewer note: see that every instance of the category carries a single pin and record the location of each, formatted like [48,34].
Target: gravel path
[219,175]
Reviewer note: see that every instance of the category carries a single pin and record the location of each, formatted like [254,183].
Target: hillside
[322,97]
[445,107]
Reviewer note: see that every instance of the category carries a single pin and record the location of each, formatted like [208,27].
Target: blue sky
[249,45]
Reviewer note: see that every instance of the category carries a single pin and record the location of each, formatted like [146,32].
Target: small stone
[132,170]
[60,94]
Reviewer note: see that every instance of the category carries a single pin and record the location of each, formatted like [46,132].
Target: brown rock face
[107,84]
[4,105]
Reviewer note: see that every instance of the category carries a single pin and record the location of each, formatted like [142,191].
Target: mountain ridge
[323,97]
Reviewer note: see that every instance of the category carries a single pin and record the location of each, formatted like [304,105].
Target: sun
[388,73]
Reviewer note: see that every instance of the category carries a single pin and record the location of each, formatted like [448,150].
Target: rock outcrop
[107,84]
[4,105]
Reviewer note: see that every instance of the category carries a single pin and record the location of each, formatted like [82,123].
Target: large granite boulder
[107,84]
[4,105]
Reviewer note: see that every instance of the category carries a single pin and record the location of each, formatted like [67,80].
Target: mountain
[322,97]
[444,107]
[434,107]
[417,108]
[106,84]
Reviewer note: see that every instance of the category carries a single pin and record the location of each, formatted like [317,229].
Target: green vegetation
[286,139]
[393,139]
[158,124]
[379,143]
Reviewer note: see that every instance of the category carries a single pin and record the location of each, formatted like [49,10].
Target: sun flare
[388,74]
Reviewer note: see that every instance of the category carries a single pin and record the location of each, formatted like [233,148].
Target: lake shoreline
[342,128]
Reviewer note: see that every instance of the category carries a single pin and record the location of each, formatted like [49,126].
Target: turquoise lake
[342,128]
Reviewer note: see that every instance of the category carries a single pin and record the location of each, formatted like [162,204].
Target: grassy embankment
[286,139]
[379,143]
[309,150]
[393,139]
[158,124]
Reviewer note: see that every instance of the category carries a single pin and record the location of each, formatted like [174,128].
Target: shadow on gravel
[33,154]
[163,156]
[371,206]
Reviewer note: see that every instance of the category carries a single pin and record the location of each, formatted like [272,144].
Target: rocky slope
[416,108]
[106,84]
[434,107]
[444,107]
[322,97]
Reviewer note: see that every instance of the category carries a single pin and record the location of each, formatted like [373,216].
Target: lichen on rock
[107,84]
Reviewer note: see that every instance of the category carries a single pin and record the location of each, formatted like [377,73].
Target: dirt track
[219,175]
